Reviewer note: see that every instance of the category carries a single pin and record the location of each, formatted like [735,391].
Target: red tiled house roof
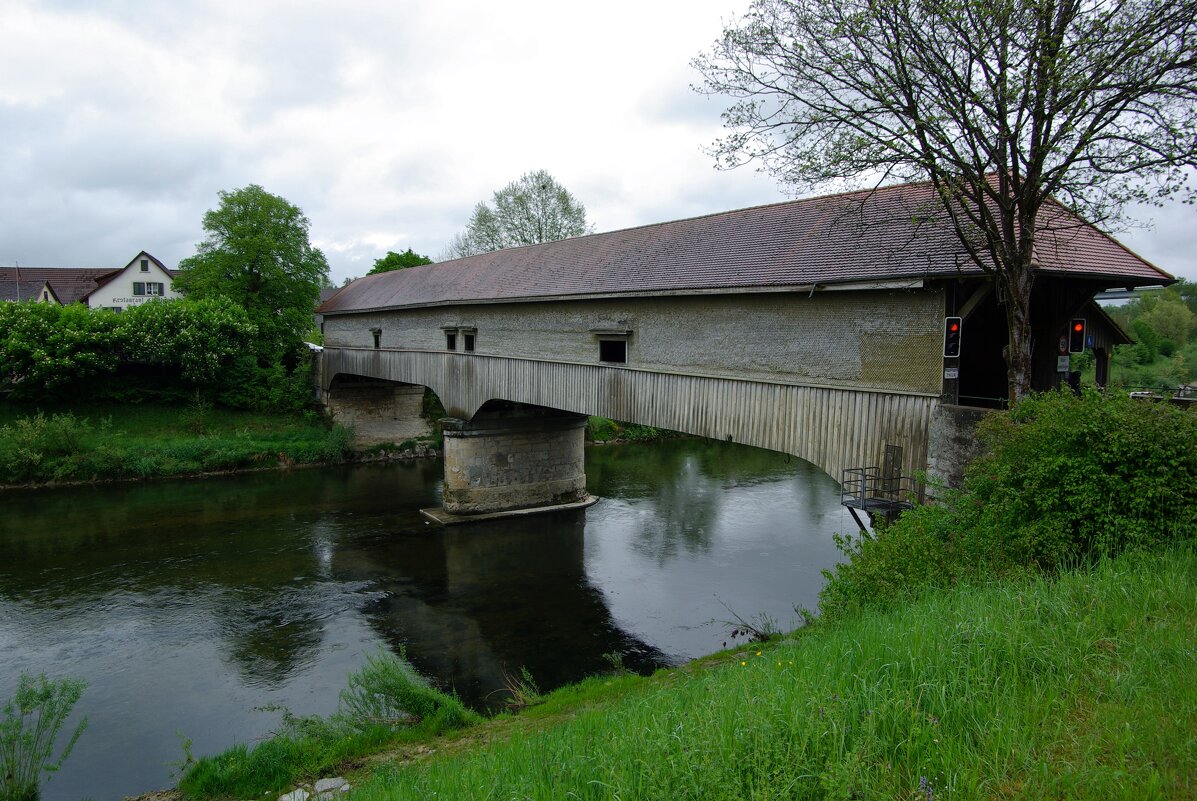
[70,284]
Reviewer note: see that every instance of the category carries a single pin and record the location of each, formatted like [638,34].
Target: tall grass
[113,442]
[384,702]
[1078,687]
[32,721]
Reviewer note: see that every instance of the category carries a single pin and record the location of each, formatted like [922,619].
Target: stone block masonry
[515,459]
[378,411]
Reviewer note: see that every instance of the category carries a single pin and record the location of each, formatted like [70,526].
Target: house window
[145,265]
[154,288]
[450,340]
[377,332]
[116,309]
[139,287]
[468,342]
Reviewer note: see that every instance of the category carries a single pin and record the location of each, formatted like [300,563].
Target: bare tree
[529,211]
[1005,106]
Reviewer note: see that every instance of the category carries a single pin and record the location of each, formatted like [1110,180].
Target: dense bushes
[1066,479]
[45,347]
[48,352]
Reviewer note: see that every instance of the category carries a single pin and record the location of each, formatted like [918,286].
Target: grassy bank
[121,441]
[1074,687]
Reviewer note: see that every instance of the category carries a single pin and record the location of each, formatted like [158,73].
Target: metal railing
[869,489]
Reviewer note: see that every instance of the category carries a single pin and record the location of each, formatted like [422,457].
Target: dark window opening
[613,350]
[450,340]
[468,342]
[377,332]
[145,265]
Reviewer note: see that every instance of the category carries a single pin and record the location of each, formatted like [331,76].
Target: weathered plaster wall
[888,340]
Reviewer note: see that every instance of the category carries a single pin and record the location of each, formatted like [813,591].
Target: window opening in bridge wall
[467,341]
[377,332]
[613,344]
[450,340]
[613,350]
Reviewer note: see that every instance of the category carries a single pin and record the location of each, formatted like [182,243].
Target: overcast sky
[386,122]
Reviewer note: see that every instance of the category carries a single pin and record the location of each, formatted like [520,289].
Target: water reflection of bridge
[471,607]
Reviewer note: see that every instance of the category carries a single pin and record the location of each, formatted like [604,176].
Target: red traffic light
[951,337]
[1076,336]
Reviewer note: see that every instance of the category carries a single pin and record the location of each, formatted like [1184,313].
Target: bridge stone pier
[522,458]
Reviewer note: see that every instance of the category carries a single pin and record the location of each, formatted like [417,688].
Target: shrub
[45,348]
[388,691]
[30,445]
[600,429]
[32,722]
[1065,480]
[247,385]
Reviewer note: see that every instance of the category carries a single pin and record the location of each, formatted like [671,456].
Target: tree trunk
[1018,283]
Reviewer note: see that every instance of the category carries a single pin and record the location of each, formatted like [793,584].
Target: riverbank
[64,444]
[71,444]
[1077,686]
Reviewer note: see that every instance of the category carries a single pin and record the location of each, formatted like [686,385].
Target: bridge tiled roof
[893,233]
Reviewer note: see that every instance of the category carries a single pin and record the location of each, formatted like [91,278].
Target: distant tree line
[1163,325]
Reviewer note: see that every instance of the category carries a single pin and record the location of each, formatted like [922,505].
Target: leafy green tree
[256,252]
[398,261]
[1171,318]
[1005,107]
[529,211]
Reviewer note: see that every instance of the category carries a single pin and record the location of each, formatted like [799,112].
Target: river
[197,609]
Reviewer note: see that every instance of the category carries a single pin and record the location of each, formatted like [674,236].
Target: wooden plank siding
[829,427]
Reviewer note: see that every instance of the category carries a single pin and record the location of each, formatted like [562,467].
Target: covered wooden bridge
[813,327]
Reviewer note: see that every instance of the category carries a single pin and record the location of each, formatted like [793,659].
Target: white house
[141,280]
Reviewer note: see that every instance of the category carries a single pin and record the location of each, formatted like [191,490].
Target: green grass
[100,441]
[386,702]
[1074,687]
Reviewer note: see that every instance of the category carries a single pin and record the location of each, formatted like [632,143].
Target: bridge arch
[833,428]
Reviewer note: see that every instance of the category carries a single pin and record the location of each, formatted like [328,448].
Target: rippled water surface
[197,609]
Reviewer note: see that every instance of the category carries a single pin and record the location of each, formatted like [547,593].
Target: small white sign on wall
[951,372]
[1062,364]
